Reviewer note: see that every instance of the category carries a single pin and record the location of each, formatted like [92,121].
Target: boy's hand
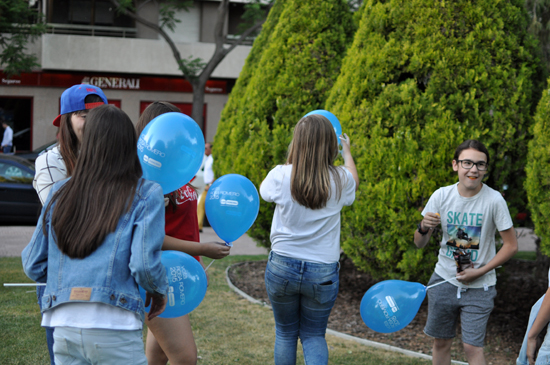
[215,250]
[430,221]
[468,275]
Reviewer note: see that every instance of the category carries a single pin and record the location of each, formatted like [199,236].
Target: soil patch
[520,284]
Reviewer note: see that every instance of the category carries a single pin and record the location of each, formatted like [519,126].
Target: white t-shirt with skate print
[469,223]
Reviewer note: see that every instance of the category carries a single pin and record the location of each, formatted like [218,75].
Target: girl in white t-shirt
[301,276]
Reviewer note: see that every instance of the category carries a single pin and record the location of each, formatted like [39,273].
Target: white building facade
[88,43]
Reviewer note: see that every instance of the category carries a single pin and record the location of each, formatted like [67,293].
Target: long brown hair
[312,152]
[68,141]
[89,206]
[152,111]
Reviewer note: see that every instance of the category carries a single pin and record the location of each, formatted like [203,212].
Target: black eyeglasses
[467,164]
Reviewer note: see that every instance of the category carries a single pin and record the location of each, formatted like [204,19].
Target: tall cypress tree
[300,59]
[537,183]
[230,128]
[420,78]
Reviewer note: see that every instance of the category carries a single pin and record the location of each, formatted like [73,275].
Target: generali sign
[113,82]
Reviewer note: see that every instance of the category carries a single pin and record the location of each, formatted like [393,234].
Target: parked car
[31,156]
[19,201]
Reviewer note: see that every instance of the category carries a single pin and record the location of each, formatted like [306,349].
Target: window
[14,174]
[17,112]
[85,13]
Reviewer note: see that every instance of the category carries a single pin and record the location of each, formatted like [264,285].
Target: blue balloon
[187,284]
[232,205]
[390,305]
[333,120]
[170,150]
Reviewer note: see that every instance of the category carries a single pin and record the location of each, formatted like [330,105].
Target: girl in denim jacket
[98,238]
[301,276]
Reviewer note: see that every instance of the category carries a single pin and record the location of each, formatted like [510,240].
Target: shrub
[420,78]
[300,59]
[537,183]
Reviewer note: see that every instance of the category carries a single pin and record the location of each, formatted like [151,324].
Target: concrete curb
[343,336]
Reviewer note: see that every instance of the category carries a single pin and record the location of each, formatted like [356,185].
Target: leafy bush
[537,183]
[420,78]
[290,70]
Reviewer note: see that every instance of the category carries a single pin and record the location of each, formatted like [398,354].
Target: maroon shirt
[183,224]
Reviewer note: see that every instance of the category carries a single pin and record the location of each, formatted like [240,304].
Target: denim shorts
[444,307]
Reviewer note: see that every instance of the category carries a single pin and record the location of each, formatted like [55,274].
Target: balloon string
[436,284]
[210,264]
[24,284]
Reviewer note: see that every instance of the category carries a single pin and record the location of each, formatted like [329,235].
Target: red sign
[115,82]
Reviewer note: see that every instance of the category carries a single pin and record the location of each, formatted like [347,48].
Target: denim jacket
[129,256]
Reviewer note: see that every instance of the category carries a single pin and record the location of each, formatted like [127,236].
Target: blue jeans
[6,149]
[80,346]
[302,295]
[543,357]
[49,330]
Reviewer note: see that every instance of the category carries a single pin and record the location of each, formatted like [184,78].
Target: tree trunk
[198,102]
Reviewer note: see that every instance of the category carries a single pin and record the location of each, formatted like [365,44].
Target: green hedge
[290,72]
[537,183]
[421,77]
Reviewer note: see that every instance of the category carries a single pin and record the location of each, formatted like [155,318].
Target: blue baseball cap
[73,99]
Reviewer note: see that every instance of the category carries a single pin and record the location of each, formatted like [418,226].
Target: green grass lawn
[228,328]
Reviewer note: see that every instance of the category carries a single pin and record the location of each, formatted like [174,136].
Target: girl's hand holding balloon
[158,303]
[348,158]
[344,139]
[215,250]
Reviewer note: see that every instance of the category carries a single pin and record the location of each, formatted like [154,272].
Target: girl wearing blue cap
[58,163]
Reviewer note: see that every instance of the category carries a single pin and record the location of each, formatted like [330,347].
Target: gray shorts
[474,307]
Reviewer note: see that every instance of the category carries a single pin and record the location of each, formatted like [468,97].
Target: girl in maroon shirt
[171,339]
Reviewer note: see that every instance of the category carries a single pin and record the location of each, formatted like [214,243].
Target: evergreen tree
[300,59]
[537,183]
[420,78]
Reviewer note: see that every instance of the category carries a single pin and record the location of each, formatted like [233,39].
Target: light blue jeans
[302,295]
[543,357]
[49,330]
[77,346]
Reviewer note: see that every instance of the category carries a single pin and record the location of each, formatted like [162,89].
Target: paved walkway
[13,240]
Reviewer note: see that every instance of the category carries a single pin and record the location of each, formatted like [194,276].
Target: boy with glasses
[469,213]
